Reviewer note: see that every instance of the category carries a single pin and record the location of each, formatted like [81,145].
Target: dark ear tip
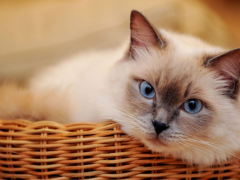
[212,61]
[135,13]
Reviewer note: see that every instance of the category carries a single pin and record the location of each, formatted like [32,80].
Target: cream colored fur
[93,87]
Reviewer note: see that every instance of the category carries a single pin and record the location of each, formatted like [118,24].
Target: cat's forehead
[172,86]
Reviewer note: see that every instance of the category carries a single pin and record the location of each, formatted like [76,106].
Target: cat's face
[169,95]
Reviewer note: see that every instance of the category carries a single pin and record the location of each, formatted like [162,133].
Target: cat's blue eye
[147,90]
[192,106]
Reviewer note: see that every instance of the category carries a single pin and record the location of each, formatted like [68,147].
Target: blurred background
[34,34]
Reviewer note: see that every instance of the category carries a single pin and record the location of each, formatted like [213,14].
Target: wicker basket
[49,150]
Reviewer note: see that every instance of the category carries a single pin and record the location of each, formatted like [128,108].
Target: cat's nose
[159,126]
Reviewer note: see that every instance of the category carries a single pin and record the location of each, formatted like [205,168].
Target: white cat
[175,93]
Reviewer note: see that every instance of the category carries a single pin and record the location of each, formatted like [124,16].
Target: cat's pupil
[192,104]
[148,89]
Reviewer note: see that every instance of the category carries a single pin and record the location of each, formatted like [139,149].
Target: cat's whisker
[187,141]
[124,113]
[118,109]
[227,151]
[181,147]
[199,140]
[118,114]
[197,147]
[122,119]
[215,146]
[127,121]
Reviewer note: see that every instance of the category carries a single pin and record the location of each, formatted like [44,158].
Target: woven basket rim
[51,150]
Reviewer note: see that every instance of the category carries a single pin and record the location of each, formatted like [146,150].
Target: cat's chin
[162,145]
[156,144]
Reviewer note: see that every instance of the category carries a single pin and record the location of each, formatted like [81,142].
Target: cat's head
[177,95]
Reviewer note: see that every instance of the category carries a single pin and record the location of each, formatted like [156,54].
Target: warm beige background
[36,33]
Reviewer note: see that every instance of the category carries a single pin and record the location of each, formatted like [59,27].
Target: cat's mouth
[158,141]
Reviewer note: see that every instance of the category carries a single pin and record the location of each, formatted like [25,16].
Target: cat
[175,93]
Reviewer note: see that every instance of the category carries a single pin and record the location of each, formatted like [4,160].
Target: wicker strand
[49,150]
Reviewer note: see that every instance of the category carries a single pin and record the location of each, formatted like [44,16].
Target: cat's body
[79,81]
[145,89]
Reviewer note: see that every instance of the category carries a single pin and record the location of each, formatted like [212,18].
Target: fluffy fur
[98,86]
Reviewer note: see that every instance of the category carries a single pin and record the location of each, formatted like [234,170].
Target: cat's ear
[143,34]
[228,66]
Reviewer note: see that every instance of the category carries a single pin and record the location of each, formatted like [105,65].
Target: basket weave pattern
[49,150]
